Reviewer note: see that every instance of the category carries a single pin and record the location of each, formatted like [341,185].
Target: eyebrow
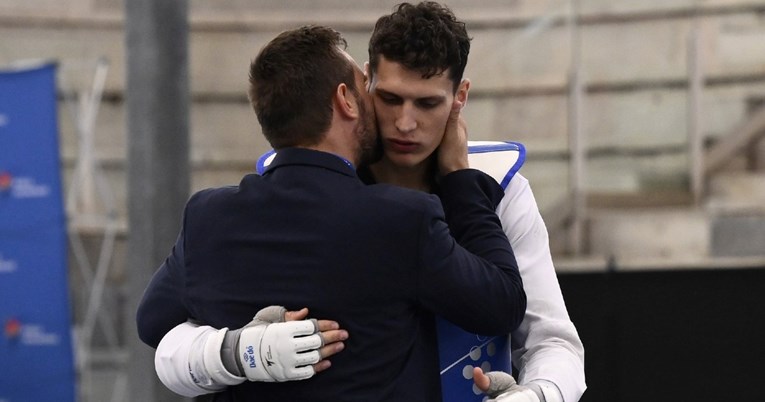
[422,98]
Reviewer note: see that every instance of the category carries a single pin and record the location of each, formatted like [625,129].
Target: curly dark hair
[426,37]
[292,81]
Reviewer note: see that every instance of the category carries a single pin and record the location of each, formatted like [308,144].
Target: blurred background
[643,124]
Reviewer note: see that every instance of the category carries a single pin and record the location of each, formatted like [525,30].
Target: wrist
[229,353]
[546,391]
[453,166]
[214,362]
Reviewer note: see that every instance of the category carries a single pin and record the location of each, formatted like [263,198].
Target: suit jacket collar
[310,157]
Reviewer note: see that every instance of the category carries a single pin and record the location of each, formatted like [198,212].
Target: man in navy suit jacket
[379,259]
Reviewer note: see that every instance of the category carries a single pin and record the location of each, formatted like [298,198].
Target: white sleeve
[546,346]
[188,361]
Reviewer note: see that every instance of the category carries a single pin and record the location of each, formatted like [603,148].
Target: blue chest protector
[460,351]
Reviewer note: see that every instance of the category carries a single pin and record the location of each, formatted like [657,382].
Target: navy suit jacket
[378,259]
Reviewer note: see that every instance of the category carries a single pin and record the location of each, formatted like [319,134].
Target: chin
[405,160]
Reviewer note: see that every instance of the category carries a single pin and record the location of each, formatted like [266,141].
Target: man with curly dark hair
[417,58]
[426,38]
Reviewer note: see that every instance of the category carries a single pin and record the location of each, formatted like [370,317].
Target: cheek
[435,126]
[384,113]
[434,140]
[431,137]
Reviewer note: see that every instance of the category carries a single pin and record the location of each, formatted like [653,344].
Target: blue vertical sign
[36,362]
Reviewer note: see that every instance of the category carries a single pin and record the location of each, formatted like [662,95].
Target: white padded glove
[271,350]
[503,388]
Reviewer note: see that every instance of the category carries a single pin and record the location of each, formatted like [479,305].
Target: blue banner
[36,356]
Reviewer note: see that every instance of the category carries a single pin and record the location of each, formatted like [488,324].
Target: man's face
[411,111]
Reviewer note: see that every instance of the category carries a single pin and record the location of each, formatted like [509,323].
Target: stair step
[738,235]
[671,233]
[642,199]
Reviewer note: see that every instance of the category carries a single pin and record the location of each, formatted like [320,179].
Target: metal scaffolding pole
[157,100]
[695,110]
[577,137]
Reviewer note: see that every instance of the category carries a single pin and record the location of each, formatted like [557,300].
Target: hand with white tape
[271,349]
[501,387]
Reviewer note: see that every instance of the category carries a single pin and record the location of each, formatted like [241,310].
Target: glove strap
[229,353]
[249,354]
[214,363]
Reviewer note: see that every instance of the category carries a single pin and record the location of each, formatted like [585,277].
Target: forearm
[188,361]
[487,276]
[470,198]
[563,383]
[193,360]
[546,347]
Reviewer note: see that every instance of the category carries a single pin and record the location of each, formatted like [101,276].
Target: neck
[334,151]
[335,142]
[417,177]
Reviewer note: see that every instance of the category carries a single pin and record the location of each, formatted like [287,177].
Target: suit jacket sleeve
[476,283]
[162,306]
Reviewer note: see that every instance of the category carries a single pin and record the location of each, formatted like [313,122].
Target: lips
[402,146]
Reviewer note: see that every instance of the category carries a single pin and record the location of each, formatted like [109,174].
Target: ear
[462,91]
[345,102]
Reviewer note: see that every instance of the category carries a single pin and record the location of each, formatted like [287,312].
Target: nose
[405,121]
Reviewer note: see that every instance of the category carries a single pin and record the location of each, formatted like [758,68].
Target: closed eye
[429,103]
[389,98]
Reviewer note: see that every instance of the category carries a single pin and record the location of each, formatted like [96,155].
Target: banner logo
[7,266]
[6,180]
[27,187]
[12,328]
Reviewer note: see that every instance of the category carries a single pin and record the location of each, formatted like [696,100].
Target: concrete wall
[633,59]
